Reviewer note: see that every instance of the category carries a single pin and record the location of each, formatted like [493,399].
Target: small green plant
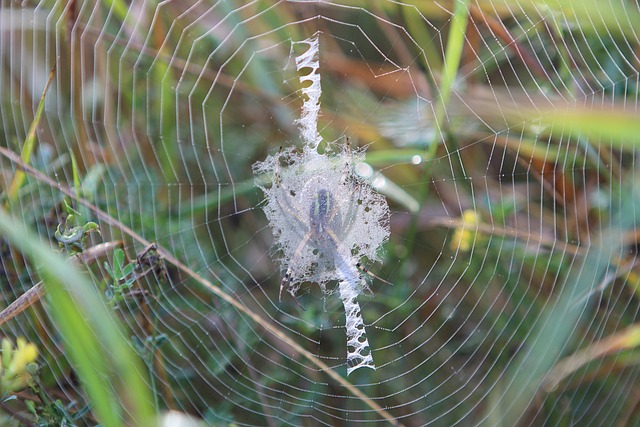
[72,235]
[122,275]
[19,371]
[48,412]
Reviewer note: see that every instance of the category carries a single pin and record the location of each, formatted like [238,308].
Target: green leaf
[29,144]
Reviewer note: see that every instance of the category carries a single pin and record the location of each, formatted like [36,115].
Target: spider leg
[359,266]
[288,276]
[287,204]
[287,207]
[352,211]
[364,269]
[346,173]
[276,171]
[286,280]
[290,206]
[343,261]
[356,203]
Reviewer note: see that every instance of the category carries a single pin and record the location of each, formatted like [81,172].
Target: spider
[331,218]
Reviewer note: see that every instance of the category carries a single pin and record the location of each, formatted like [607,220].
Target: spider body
[319,231]
[320,211]
[324,217]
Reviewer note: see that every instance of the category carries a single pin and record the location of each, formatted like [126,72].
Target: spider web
[512,291]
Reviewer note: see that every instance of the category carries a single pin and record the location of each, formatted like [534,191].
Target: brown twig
[495,230]
[24,421]
[36,292]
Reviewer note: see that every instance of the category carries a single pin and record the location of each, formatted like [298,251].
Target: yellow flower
[14,372]
[464,234]
[26,353]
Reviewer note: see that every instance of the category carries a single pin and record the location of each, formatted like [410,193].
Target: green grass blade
[453,56]
[587,16]
[619,128]
[105,362]
[29,144]
[453,53]
[418,30]
[77,185]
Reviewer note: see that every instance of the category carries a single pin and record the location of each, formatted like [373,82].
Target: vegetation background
[506,133]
